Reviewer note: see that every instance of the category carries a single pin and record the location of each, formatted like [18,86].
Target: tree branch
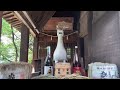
[30,49]
[6,58]
[16,36]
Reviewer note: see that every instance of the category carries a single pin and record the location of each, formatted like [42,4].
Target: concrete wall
[106,38]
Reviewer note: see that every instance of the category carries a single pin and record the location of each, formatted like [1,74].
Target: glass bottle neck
[76,62]
[48,61]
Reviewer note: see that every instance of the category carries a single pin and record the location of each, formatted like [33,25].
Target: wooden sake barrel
[18,70]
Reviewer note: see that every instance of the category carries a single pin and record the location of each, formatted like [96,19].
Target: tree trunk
[13,39]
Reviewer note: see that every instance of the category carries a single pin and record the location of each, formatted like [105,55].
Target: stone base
[16,70]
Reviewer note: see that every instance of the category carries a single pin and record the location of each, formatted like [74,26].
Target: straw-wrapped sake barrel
[18,70]
[72,76]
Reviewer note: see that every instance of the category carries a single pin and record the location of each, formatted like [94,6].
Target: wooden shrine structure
[41,24]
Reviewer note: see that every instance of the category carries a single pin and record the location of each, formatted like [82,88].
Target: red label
[76,70]
[79,70]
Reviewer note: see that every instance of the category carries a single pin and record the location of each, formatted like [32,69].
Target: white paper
[104,72]
[48,70]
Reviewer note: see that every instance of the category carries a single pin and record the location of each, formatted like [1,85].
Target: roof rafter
[21,18]
[30,20]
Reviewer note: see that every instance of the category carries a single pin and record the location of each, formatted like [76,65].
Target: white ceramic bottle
[60,52]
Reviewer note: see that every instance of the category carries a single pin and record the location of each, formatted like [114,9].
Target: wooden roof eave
[21,17]
[40,18]
[16,19]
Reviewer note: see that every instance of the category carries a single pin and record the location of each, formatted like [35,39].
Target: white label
[48,70]
[107,72]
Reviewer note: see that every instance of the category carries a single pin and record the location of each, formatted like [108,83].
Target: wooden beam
[15,24]
[7,12]
[14,20]
[22,19]
[51,24]
[17,27]
[47,15]
[83,23]
[1,14]
[24,44]
[11,19]
[30,20]
[8,16]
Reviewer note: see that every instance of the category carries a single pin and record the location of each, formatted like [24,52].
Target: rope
[56,36]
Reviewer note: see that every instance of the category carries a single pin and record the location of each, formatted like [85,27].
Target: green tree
[10,44]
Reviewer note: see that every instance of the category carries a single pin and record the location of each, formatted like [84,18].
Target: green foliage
[30,56]
[7,49]
[4,52]
[6,29]
[30,50]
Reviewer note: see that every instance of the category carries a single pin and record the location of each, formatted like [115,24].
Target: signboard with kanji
[103,71]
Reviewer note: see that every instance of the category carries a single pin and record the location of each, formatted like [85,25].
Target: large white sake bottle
[60,52]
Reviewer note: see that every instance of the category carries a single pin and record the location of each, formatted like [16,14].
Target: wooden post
[1,14]
[24,44]
[35,48]
[35,54]
[90,18]
[78,40]
[79,49]
[43,54]
[71,54]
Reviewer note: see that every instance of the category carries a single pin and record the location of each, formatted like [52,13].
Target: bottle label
[48,70]
[77,70]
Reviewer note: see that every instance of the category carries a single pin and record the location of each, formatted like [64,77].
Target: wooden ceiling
[39,18]
[64,14]
[12,19]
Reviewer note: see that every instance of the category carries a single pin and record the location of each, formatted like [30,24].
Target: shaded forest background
[10,44]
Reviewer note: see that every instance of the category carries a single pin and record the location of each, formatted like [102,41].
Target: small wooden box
[62,69]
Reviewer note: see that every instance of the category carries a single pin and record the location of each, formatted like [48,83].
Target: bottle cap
[76,46]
